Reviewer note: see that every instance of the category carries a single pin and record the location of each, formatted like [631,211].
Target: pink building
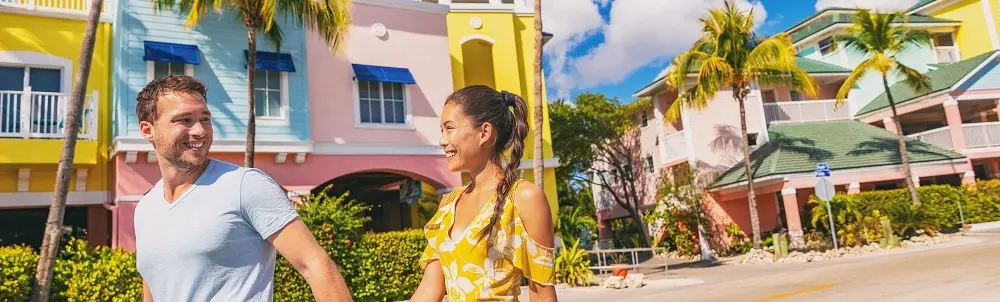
[367,120]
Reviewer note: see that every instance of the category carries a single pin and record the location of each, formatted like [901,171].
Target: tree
[875,35]
[57,209]
[539,160]
[605,156]
[330,18]
[679,199]
[730,54]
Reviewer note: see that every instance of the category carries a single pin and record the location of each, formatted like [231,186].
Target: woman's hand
[432,285]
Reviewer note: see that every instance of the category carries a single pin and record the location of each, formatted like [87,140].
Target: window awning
[272,61]
[171,53]
[383,74]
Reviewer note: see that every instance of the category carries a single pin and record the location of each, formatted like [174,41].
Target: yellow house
[40,46]
[492,43]
[978,32]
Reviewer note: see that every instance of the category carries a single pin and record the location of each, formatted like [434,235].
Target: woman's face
[465,145]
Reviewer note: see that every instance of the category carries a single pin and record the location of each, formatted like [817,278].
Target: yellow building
[976,35]
[492,43]
[40,47]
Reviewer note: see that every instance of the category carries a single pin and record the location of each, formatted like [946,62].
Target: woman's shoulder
[529,200]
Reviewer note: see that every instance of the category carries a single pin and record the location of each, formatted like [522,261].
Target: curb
[984,226]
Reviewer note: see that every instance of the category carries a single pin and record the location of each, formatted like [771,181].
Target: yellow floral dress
[471,272]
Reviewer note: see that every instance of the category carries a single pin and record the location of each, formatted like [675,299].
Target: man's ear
[146,129]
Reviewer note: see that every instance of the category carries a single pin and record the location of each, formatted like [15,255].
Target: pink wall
[415,40]
[715,130]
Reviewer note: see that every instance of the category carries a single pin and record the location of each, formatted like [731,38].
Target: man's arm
[300,248]
[147,296]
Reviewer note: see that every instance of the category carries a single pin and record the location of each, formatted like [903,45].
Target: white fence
[28,114]
[804,111]
[61,8]
[947,54]
[982,135]
[940,137]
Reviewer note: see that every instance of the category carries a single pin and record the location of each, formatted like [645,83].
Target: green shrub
[17,271]
[573,265]
[390,266]
[739,243]
[98,274]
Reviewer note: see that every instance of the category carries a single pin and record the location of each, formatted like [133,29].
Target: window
[752,139]
[645,118]
[267,94]
[768,96]
[794,96]
[45,84]
[826,46]
[156,69]
[649,164]
[382,103]
[943,39]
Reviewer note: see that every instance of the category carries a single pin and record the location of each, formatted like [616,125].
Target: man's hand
[299,247]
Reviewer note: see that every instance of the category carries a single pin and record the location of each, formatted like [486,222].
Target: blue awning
[171,53]
[272,61]
[383,74]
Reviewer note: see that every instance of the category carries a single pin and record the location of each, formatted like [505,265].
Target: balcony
[947,54]
[940,137]
[28,114]
[675,147]
[982,135]
[69,9]
[804,111]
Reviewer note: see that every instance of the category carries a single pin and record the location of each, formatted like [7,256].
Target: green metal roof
[946,76]
[797,147]
[920,4]
[816,67]
[845,16]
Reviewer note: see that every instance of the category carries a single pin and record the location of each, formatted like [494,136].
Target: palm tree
[730,56]
[874,34]
[57,209]
[539,164]
[328,17]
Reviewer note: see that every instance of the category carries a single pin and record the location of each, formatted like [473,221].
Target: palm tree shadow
[778,144]
[890,146]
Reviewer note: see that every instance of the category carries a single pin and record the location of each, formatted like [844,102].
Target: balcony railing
[804,111]
[28,114]
[75,9]
[676,147]
[947,54]
[982,135]
[940,137]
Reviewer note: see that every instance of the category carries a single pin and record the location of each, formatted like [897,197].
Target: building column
[854,188]
[916,180]
[969,178]
[890,125]
[998,109]
[791,202]
[954,118]
[994,170]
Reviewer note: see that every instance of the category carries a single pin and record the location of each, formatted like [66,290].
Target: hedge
[80,274]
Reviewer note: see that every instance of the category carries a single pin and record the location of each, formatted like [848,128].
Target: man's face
[182,132]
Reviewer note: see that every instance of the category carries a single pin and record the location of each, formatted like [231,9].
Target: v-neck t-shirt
[211,243]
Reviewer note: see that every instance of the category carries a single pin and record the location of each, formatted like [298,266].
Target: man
[208,230]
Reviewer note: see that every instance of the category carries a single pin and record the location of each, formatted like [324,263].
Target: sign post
[825,192]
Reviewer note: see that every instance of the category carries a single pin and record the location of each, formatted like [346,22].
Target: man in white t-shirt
[209,230]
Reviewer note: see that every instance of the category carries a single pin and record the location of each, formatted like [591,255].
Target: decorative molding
[950,102]
[476,23]
[471,37]
[788,191]
[966,97]
[23,179]
[37,59]
[81,179]
[969,174]
[419,6]
[379,30]
[375,149]
[151,157]
[279,158]
[854,185]
[40,199]
[128,198]
[130,157]
[138,144]
[300,158]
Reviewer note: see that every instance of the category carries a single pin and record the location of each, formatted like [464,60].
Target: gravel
[758,256]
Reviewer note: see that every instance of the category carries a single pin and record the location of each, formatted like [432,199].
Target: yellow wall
[973,37]
[513,65]
[62,38]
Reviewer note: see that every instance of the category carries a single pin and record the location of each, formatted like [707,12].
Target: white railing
[940,137]
[804,111]
[28,114]
[982,135]
[676,147]
[76,9]
[947,54]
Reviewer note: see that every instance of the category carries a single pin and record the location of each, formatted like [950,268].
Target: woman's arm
[432,285]
[533,208]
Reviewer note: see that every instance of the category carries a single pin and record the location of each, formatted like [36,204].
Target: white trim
[81,179]
[151,70]
[974,71]
[407,107]
[42,199]
[419,6]
[283,118]
[964,97]
[990,24]
[471,37]
[151,157]
[688,136]
[138,144]
[939,4]
[972,151]
[810,20]
[854,185]
[83,15]
[950,102]
[788,191]
[482,7]
[131,198]
[375,149]
[130,157]
[548,163]
[280,157]
[23,179]
[37,59]
[809,39]
[898,106]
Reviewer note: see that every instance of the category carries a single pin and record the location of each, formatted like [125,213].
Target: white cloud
[638,32]
[573,22]
[881,5]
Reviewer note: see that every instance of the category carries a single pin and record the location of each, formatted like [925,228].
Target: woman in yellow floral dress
[490,234]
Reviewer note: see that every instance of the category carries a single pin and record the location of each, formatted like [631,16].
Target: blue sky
[616,47]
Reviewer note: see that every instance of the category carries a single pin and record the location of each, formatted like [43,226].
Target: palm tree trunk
[539,164]
[740,94]
[53,225]
[251,69]
[904,156]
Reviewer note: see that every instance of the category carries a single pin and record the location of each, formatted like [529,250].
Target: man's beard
[174,156]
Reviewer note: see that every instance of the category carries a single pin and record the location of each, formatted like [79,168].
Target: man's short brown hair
[145,108]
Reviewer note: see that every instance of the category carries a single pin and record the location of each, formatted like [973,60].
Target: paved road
[967,269]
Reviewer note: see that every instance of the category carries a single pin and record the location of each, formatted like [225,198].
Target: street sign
[824,189]
[822,170]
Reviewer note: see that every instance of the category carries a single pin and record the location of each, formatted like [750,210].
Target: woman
[489,234]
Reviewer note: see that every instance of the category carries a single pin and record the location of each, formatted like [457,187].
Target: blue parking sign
[822,170]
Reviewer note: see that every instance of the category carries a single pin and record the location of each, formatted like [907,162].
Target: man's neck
[176,181]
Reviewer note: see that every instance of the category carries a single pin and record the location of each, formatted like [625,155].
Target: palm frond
[273,32]
[853,79]
[330,18]
[914,79]
[914,38]
[682,66]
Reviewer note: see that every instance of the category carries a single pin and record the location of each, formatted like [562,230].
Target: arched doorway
[477,63]
[388,209]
